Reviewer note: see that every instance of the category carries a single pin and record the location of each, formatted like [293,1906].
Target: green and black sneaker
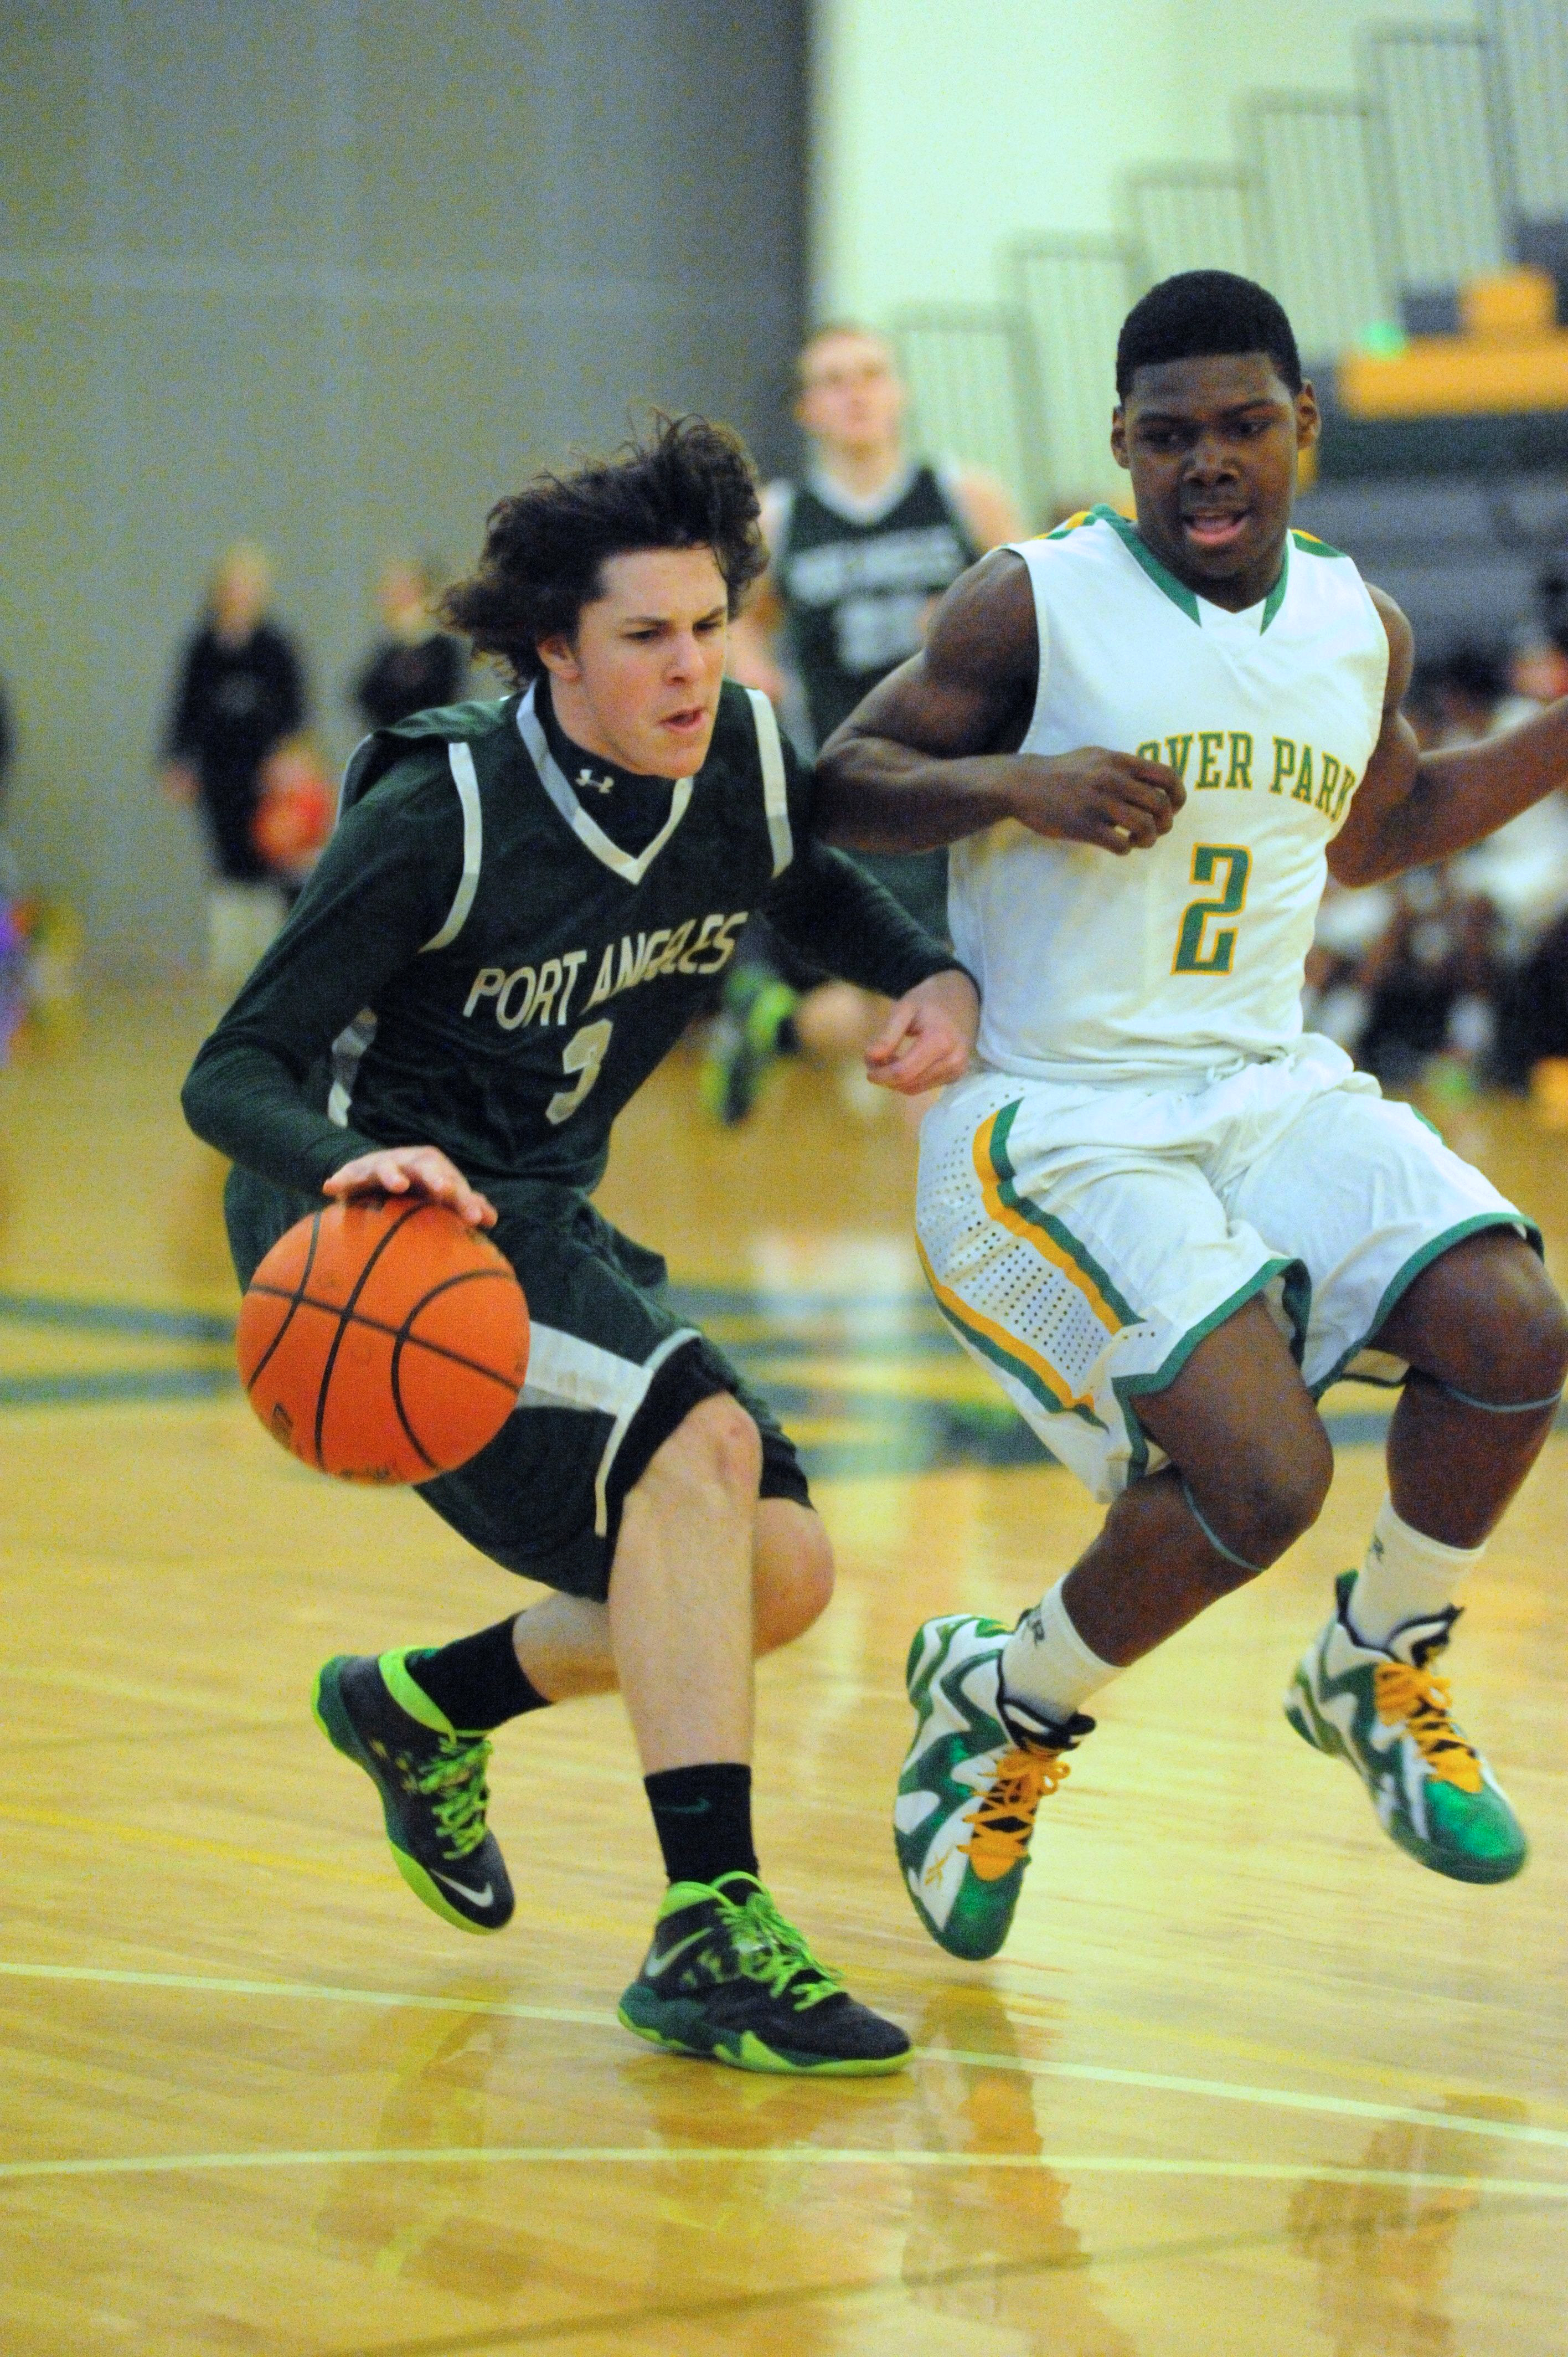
[431,1778]
[1380,1708]
[746,1036]
[972,1780]
[727,1978]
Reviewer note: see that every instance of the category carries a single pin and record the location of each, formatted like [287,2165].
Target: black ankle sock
[702,1818]
[476,1681]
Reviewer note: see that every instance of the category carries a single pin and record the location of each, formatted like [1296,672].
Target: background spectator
[412,665]
[1460,973]
[239,693]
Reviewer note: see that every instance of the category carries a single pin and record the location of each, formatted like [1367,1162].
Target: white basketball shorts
[1082,1238]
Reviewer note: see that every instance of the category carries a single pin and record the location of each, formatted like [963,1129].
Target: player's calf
[792,1573]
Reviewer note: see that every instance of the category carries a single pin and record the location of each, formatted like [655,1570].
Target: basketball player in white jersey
[1165,1217]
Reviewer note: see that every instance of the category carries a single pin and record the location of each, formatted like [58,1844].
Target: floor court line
[791,2155]
[396,1999]
[1097,2074]
[195,1844]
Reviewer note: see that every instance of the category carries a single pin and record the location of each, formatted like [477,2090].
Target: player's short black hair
[1203,311]
[831,330]
[687,484]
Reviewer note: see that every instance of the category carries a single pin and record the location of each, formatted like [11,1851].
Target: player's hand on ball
[928,1038]
[417,1170]
[1116,801]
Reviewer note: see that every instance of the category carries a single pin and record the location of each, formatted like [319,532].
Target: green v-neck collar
[1164,579]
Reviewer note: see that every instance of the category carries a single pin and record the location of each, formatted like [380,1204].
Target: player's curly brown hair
[688,485]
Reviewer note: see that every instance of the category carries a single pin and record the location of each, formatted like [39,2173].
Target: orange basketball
[383,1341]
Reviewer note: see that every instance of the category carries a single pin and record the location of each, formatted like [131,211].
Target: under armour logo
[600,785]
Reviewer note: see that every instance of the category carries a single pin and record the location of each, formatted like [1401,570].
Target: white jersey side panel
[1191,953]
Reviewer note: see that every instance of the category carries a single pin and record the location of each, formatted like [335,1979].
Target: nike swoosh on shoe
[480,1897]
[657,1966]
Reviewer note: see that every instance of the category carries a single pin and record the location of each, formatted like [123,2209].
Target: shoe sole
[1301,1713]
[748,2052]
[331,1714]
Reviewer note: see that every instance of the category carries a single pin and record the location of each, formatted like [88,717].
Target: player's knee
[794,1576]
[1485,1318]
[718,1444]
[1262,1506]
[1517,1345]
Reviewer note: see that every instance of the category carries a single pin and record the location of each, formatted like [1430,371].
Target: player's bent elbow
[1358,870]
[201,1103]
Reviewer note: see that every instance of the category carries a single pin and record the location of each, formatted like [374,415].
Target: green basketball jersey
[476,965]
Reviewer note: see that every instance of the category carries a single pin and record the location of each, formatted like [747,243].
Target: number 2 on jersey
[583,1054]
[1206,861]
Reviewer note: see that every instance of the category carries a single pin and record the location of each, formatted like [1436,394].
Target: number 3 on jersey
[1208,859]
[583,1054]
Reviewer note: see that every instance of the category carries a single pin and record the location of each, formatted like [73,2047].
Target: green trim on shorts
[1077,1251]
[1404,1276]
[1130,1387]
[1020,1371]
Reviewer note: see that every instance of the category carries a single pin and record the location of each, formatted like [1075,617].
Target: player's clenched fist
[1116,801]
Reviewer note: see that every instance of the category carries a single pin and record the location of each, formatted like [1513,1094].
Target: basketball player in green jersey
[1162,1216]
[860,549]
[525,903]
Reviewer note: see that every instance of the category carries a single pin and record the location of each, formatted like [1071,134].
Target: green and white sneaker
[728,1979]
[431,1778]
[1381,1708]
[972,1778]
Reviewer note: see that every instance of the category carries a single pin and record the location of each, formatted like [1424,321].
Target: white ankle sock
[1405,1575]
[1046,1664]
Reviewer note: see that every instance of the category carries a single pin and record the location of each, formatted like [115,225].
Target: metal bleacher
[1361,209]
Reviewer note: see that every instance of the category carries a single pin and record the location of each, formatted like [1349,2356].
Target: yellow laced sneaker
[1385,1710]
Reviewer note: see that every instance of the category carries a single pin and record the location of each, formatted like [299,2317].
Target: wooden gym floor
[1246,2081]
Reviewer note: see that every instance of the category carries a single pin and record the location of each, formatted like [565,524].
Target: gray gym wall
[334,275]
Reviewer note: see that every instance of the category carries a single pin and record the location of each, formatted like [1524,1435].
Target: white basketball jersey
[1189,954]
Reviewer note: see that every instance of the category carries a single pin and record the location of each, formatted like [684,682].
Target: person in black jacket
[241,691]
[412,667]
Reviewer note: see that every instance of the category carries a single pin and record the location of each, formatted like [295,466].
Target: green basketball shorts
[612,1371]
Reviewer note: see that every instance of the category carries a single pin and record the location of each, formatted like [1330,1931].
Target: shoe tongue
[738,1885]
[1416,1642]
[1031,1730]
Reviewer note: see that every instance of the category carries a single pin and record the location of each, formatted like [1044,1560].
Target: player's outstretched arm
[1413,808]
[931,755]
